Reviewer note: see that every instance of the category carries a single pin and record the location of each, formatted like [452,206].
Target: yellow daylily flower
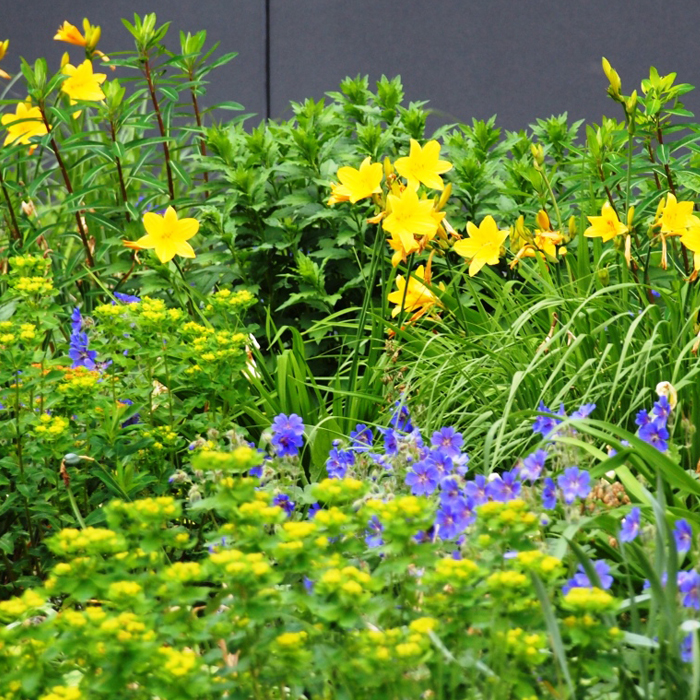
[339,193]
[360,183]
[167,234]
[23,124]
[423,165]
[410,215]
[403,244]
[82,83]
[605,226]
[418,297]
[3,51]
[70,34]
[676,216]
[691,240]
[483,245]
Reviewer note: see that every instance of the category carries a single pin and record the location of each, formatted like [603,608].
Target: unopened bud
[28,208]
[613,78]
[71,459]
[630,217]
[537,153]
[604,276]
[388,167]
[444,196]
[65,59]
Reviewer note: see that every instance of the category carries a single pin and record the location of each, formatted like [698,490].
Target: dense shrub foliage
[334,408]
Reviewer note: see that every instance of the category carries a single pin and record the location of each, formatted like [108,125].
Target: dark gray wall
[521,59]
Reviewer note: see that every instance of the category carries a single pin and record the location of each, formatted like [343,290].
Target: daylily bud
[668,390]
[659,209]
[613,78]
[3,48]
[631,102]
[65,59]
[563,251]
[543,220]
[94,37]
[573,226]
[604,276]
[630,217]
[388,167]
[537,153]
[444,197]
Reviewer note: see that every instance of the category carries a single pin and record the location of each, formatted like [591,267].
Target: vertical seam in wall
[268,89]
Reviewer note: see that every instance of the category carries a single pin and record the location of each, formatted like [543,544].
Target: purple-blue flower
[687,648]
[683,534]
[532,465]
[80,354]
[292,423]
[544,424]
[584,411]
[549,494]
[391,441]
[689,585]
[574,484]
[476,489]
[504,488]
[642,418]
[373,534]
[441,461]
[338,462]
[655,434]
[452,519]
[401,419]
[284,502]
[287,443]
[448,440]
[361,438]
[661,409]
[126,298]
[581,580]
[423,479]
[630,525]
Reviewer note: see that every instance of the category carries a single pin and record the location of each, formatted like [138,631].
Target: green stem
[13,218]
[409,267]
[74,506]
[560,223]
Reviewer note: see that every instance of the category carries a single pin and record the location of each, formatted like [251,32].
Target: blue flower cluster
[78,350]
[653,426]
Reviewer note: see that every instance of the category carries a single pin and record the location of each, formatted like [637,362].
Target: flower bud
[604,276]
[613,78]
[65,59]
[537,153]
[543,220]
[668,390]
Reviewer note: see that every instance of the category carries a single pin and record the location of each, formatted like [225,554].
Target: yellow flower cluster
[63,692]
[124,589]
[244,569]
[259,511]
[41,286]
[29,265]
[183,571]
[589,600]
[218,347]
[154,316]
[163,437]
[79,382]
[338,490]
[51,428]
[126,627]
[147,510]
[106,312]
[455,572]
[291,640]
[16,607]
[505,582]
[178,663]
[512,514]
[240,459]
[348,584]
[11,333]
[545,565]
[401,517]
[530,648]
[92,540]
[226,300]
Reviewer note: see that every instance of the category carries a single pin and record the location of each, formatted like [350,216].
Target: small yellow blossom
[82,83]
[483,246]
[605,226]
[25,123]
[168,235]
[70,34]
[357,184]
[423,165]
[418,298]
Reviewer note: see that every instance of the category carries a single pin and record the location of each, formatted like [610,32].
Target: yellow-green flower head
[589,600]
[63,692]
[82,83]
[423,165]
[3,51]
[410,215]
[358,184]
[605,226]
[483,247]
[168,235]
